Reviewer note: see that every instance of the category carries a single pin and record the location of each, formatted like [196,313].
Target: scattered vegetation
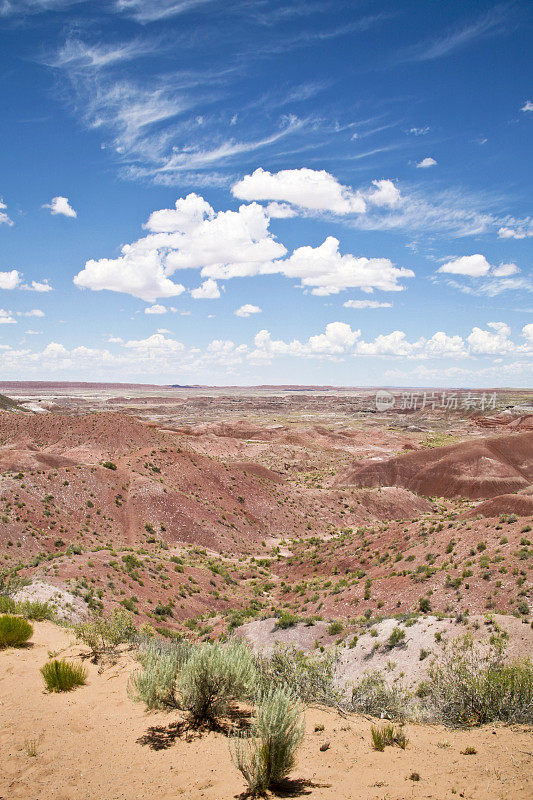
[104,634]
[373,695]
[309,676]
[29,609]
[471,685]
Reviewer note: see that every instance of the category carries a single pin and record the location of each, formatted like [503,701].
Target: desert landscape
[300,521]
[266,400]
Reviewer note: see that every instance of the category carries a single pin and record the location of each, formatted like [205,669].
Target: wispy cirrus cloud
[494,286]
[78,55]
[155,10]
[12,8]
[157,126]
[494,22]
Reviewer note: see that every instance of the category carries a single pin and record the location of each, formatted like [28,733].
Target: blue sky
[249,192]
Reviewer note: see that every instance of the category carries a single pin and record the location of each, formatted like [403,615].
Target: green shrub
[104,634]
[155,684]
[373,695]
[470,685]
[29,609]
[213,676]
[385,735]
[335,627]
[7,605]
[14,631]
[109,465]
[286,620]
[309,676]
[34,609]
[266,757]
[396,638]
[62,675]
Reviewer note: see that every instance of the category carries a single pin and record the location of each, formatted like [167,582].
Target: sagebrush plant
[155,684]
[309,676]
[373,695]
[104,634]
[266,756]
[14,631]
[213,677]
[473,685]
[62,675]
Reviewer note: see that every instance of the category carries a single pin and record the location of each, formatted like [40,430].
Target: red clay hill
[476,470]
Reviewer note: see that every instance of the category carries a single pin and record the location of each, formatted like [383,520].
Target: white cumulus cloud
[426,162]
[475,266]
[208,290]
[155,309]
[39,286]
[495,341]
[226,244]
[386,194]
[247,310]
[528,106]
[4,218]
[311,189]
[522,232]
[504,270]
[10,280]
[60,205]
[326,271]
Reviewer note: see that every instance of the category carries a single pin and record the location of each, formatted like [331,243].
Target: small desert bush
[267,755]
[155,684]
[472,685]
[309,676]
[396,638]
[7,605]
[62,675]
[104,634]
[213,677]
[286,620]
[335,627]
[29,609]
[14,631]
[385,735]
[373,695]
[34,609]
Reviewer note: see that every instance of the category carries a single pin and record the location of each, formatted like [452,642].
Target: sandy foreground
[96,744]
